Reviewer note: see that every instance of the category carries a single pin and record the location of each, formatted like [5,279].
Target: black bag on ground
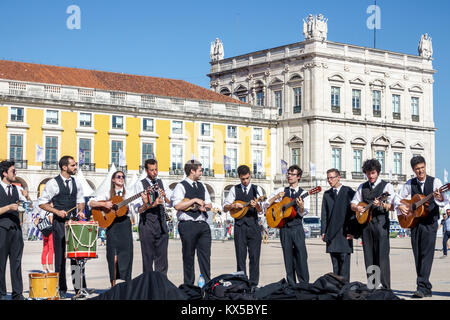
[228,287]
[44,225]
[359,291]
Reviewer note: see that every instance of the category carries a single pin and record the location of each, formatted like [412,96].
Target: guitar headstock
[445,188]
[315,190]
[384,196]
[262,198]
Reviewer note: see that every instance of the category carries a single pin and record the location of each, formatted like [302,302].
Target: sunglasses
[120,177]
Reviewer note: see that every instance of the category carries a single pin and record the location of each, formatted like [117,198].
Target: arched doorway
[41,186]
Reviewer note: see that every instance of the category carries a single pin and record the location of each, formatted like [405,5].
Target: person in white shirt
[375,233]
[292,234]
[11,244]
[247,231]
[191,199]
[153,230]
[423,234]
[66,194]
[119,237]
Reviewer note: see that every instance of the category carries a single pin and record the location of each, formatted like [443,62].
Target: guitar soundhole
[273,214]
[115,207]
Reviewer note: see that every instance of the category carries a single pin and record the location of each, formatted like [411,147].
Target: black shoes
[62,295]
[420,294]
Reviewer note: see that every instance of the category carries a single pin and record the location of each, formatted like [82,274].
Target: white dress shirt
[306,201]
[357,198]
[179,194]
[19,189]
[52,189]
[405,193]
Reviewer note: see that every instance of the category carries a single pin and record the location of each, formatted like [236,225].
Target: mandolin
[417,208]
[366,216]
[106,217]
[280,212]
[239,213]
[194,207]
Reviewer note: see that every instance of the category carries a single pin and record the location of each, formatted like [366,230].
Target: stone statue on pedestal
[216,50]
[316,27]
[425,46]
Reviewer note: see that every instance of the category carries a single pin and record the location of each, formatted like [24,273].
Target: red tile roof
[110,81]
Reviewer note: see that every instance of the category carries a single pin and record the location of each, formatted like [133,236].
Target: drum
[44,286]
[81,239]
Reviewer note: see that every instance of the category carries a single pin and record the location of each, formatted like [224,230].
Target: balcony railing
[335,109]
[377,113]
[356,111]
[415,118]
[88,167]
[357,175]
[50,165]
[259,175]
[231,173]
[297,109]
[119,168]
[208,172]
[343,174]
[176,172]
[20,164]
[396,115]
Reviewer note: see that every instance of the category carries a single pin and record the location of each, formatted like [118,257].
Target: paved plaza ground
[403,276]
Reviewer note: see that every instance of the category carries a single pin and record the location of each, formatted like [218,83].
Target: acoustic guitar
[106,217]
[239,213]
[366,216]
[280,212]
[417,208]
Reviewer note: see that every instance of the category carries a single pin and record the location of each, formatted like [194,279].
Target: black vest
[369,195]
[192,193]
[65,200]
[433,209]
[298,219]
[252,215]
[157,213]
[11,218]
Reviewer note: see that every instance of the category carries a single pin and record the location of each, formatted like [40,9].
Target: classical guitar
[280,212]
[417,208]
[106,217]
[366,216]
[239,213]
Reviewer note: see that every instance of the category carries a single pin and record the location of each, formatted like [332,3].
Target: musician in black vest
[423,235]
[375,233]
[292,234]
[338,223]
[247,231]
[153,231]
[119,237]
[65,193]
[11,241]
[191,199]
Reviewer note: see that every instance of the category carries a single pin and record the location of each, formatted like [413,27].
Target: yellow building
[102,118]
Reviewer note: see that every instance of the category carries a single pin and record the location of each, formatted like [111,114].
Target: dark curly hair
[370,165]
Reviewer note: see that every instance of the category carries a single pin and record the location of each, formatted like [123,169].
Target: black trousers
[120,244]
[294,252]
[375,237]
[195,236]
[445,237]
[248,238]
[153,248]
[423,242]
[341,264]
[11,245]
[59,247]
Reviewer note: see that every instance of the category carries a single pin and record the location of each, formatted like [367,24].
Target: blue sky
[171,39]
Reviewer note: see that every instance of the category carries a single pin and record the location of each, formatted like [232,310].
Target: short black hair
[243,170]
[191,165]
[338,173]
[64,161]
[4,167]
[296,167]
[370,165]
[416,160]
[150,162]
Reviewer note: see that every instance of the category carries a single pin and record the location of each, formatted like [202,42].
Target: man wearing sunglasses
[11,241]
[153,231]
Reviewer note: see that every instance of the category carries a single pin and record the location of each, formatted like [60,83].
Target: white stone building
[338,104]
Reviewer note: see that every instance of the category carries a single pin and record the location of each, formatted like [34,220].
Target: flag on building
[81,157]
[226,163]
[283,166]
[122,161]
[39,153]
[312,169]
[445,176]
[390,173]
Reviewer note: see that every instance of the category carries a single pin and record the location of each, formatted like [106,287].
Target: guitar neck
[128,200]
[427,198]
[290,204]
